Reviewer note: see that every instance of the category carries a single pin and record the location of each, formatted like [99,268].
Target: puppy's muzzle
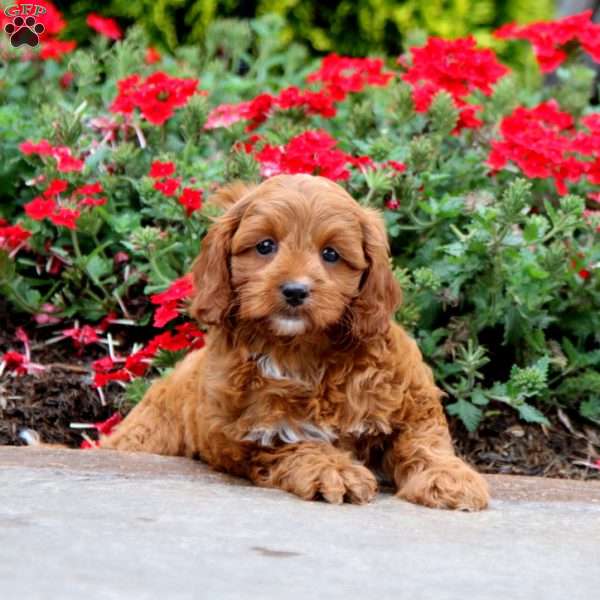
[295,293]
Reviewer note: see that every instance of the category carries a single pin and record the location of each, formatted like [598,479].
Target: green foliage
[377,25]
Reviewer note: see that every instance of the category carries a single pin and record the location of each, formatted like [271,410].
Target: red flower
[225,115]
[310,152]
[103,365]
[156,98]
[82,336]
[53,49]
[188,336]
[65,217]
[161,169]
[12,236]
[19,363]
[152,56]
[549,38]
[455,66]
[137,364]
[106,427]
[168,300]
[89,188]
[57,186]
[179,289]
[66,161]
[42,148]
[167,186]
[107,27]
[91,202]
[191,200]
[66,79]
[396,166]
[101,379]
[15,361]
[341,74]
[40,208]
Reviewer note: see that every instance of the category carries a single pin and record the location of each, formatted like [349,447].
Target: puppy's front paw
[353,483]
[452,485]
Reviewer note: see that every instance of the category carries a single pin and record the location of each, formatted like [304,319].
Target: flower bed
[488,183]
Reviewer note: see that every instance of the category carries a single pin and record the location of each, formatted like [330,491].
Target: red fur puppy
[305,382]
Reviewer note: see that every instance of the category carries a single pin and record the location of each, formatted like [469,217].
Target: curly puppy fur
[315,398]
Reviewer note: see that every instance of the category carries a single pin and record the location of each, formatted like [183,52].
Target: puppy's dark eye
[330,255]
[266,247]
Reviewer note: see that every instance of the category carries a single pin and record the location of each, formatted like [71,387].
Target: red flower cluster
[157,97]
[66,162]
[105,26]
[54,49]
[46,208]
[457,67]
[258,110]
[49,206]
[190,199]
[549,38]
[310,152]
[169,300]
[339,76]
[12,237]
[542,142]
[188,337]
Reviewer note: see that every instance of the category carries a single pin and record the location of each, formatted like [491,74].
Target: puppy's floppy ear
[211,268]
[379,293]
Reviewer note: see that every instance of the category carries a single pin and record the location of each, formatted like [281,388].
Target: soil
[49,402]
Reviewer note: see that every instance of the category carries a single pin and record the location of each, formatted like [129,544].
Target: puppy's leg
[426,471]
[312,469]
[152,426]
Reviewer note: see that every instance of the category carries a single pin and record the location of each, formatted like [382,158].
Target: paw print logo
[24,31]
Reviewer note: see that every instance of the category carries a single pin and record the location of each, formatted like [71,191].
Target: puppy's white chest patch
[290,433]
[269,368]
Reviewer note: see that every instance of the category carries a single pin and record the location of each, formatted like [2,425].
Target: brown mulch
[505,445]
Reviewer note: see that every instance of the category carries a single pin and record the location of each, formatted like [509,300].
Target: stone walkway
[100,526]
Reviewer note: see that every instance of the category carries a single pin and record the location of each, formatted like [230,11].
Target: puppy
[305,383]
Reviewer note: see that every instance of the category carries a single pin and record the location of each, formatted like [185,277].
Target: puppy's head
[296,255]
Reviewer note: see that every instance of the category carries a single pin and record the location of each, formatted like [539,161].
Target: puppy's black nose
[294,293]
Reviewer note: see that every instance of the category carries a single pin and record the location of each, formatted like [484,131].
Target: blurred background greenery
[351,27]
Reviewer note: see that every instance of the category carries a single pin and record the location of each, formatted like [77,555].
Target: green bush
[500,272]
[351,27]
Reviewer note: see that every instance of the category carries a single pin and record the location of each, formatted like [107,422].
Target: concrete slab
[102,525]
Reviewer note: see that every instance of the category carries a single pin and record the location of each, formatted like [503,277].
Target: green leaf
[479,398]
[590,409]
[469,414]
[7,267]
[532,415]
[97,267]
